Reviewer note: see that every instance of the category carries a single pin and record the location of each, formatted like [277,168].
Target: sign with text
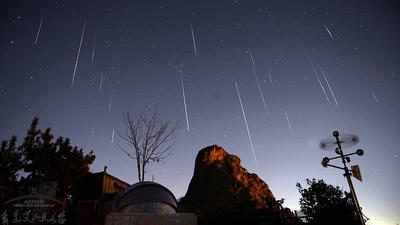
[32,209]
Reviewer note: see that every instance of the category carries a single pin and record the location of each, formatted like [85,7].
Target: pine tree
[43,159]
[10,162]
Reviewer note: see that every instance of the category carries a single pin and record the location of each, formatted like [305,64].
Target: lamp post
[348,140]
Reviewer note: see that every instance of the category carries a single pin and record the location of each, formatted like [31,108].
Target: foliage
[49,160]
[10,161]
[43,159]
[325,204]
[149,139]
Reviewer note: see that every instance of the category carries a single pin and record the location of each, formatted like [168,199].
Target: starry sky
[302,68]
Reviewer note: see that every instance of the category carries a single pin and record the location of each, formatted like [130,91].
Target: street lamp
[348,140]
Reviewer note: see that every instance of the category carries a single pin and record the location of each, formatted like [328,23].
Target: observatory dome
[147,197]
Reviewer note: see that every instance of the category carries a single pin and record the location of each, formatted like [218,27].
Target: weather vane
[347,140]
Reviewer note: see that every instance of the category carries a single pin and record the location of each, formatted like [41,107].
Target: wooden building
[94,196]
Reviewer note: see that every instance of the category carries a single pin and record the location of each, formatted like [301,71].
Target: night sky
[303,69]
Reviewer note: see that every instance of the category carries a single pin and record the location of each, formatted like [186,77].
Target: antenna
[348,140]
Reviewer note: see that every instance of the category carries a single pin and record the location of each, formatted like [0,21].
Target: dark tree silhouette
[57,160]
[326,204]
[10,162]
[44,159]
[149,139]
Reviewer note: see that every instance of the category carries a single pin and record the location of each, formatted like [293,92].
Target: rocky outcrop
[222,188]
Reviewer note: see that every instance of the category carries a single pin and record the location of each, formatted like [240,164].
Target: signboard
[32,209]
[46,188]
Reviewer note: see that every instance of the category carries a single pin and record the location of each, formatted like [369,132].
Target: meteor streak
[288,122]
[253,66]
[112,136]
[39,29]
[374,96]
[329,86]
[269,75]
[79,52]
[101,82]
[319,81]
[184,103]
[94,48]
[194,41]
[110,103]
[329,32]
[247,126]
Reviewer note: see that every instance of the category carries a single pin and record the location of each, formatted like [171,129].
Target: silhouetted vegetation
[324,204]
[149,139]
[10,161]
[40,158]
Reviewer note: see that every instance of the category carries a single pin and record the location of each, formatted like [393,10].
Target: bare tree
[149,139]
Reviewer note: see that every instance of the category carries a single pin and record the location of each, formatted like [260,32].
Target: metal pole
[354,197]
[347,174]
